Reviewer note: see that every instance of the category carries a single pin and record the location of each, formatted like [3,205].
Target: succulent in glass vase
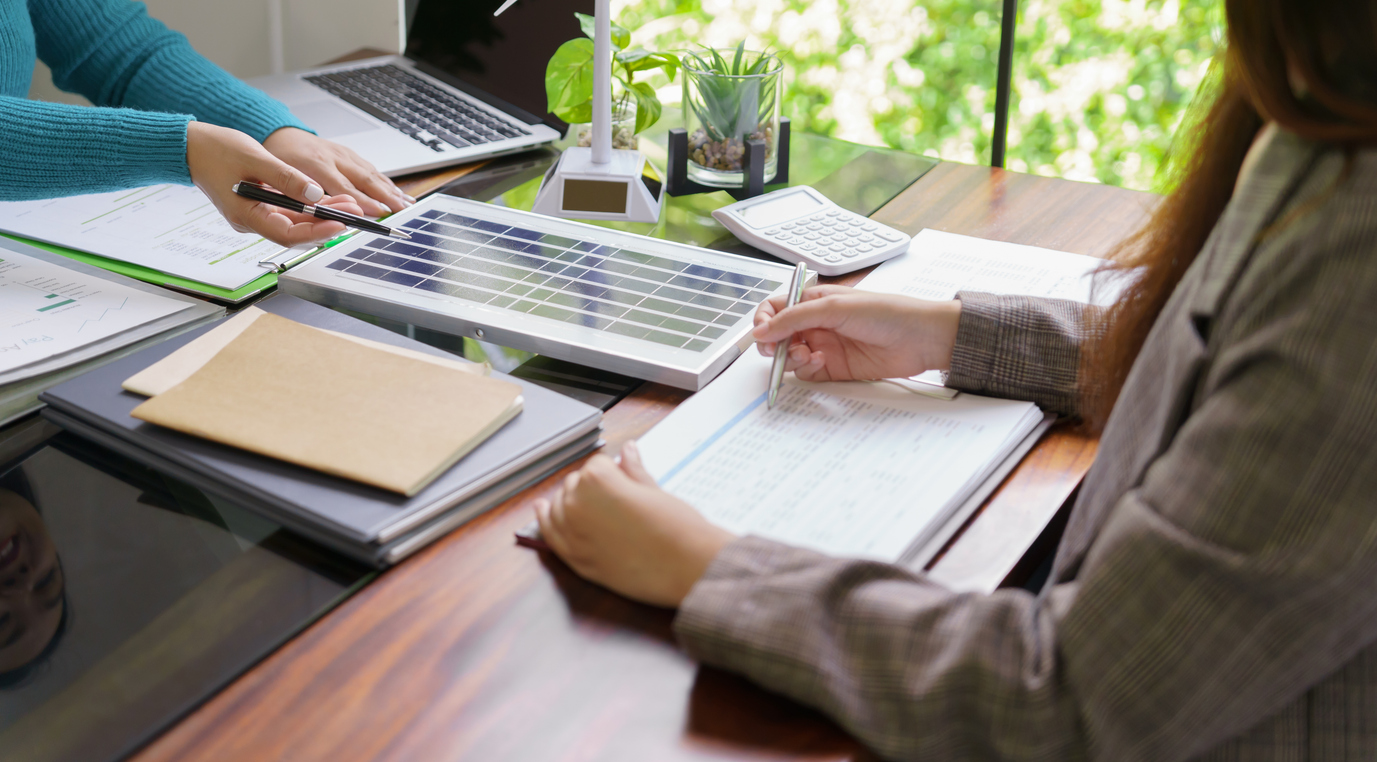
[729,99]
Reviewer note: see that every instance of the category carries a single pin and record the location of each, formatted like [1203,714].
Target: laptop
[469,86]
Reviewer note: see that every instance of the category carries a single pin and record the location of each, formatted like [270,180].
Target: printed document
[174,229]
[938,265]
[857,469]
[47,310]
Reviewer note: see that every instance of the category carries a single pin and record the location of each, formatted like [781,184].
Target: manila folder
[302,395]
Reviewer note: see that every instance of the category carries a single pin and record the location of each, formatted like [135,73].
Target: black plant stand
[752,166]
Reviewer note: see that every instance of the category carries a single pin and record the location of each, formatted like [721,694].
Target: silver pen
[782,349]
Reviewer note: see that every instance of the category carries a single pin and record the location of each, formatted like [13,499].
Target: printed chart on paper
[46,310]
[174,229]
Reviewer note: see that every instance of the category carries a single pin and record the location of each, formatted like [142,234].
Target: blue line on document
[716,435]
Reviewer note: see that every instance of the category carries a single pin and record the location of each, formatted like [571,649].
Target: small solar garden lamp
[598,182]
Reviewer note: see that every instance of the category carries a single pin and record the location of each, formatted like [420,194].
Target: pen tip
[401,234]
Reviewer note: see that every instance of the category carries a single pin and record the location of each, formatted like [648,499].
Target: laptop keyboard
[426,113]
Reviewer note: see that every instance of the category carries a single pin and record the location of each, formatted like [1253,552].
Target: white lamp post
[599,183]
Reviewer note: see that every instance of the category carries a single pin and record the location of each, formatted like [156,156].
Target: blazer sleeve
[1021,347]
[1235,576]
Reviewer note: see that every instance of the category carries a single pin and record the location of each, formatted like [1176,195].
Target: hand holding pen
[264,195]
[796,287]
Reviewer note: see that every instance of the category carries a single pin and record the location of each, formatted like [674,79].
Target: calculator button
[806,246]
[817,217]
[836,247]
[850,253]
[834,259]
[815,226]
[866,238]
[870,227]
[811,236]
[889,235]
[772,232]
[834,213]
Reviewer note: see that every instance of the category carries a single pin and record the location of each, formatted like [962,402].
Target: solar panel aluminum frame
[686,369]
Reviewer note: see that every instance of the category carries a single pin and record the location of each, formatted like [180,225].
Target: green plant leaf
[569,81]
[647,105]
[640,59]
[620,37]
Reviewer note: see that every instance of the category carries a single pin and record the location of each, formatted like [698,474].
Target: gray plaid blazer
[1215,594]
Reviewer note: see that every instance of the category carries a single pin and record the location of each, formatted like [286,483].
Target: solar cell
[540,270]
[580,281]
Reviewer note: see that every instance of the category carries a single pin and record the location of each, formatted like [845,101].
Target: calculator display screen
[777,210]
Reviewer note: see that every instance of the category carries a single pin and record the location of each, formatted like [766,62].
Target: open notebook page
[855,469]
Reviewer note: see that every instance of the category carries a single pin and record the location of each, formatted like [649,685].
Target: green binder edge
[159,278]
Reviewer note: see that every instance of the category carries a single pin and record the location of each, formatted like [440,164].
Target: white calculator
[801,225]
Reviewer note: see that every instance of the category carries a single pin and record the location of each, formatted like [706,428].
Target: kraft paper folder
[365,522]
[306,396]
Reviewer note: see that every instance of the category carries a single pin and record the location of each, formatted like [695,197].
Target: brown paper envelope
[308,397]
[178,366]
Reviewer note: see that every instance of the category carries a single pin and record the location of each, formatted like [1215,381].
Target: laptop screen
[504,55]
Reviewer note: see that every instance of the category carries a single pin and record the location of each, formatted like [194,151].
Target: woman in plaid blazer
[1215,594]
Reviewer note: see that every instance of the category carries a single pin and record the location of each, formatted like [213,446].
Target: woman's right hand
[218,157]
[841,334]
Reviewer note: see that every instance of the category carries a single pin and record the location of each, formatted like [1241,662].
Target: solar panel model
[640,306]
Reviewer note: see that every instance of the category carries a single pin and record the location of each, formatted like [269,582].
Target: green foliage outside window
[1099,85]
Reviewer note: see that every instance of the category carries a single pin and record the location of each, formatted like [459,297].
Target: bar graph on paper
[174,229]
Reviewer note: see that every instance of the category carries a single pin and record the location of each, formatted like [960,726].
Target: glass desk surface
[856,177]
[127,597]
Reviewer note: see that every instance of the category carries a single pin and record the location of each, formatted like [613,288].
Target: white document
[855,469]
[174,229]
[938,265]
[46,310]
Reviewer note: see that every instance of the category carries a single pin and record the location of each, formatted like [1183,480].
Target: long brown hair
[1328,45]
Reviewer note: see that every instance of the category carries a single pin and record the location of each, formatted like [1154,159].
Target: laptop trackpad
[331,120]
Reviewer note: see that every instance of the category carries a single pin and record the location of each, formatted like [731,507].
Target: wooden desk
[477,649]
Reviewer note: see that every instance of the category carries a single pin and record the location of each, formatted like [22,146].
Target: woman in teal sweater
[162,114]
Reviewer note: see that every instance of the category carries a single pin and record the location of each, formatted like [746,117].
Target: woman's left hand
[614,526]
[339,170]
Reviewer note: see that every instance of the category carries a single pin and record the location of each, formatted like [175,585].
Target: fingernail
[408,198]
[314,193]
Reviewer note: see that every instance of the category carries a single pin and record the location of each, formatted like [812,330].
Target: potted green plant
[729,99]
[569,84]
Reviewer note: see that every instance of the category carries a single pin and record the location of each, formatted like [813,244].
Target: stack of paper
[58,318]
[305,403]
[167,234]
[937,265]
[355,409]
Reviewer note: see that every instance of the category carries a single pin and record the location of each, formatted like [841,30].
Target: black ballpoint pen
[259,193]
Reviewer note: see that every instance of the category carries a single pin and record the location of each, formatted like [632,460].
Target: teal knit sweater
[145,81]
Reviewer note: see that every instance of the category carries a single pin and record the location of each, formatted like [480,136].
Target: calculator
[799,224]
